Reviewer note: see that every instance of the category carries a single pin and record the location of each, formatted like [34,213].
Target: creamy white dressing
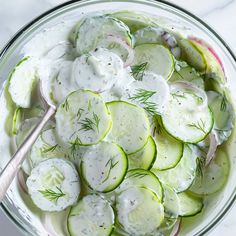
[62,72]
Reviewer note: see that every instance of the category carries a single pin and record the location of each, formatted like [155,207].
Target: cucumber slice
[54,185]
[98,70]
[144,158]
[151,93]
[104,167]
[91,216]
[223,114]
[149,35]
[82,119]
[134,20]
[26,127]
[46,147]
[214,68]
[16,122]
[131,127]
[189,205]
[62,50]
[192,55]
[187,73]
[171,209]
[23,81]
[185,119]
[62,83]
[214,175]
[182,176]
[139,211]
[142,178]
[93,33]
[169,150]
[22,114]
[171,202]
[158,58]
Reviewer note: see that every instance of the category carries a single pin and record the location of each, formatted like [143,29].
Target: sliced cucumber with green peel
[62,83]
[169,150]
[187,73]
[187,118]
[192,55]
[134,20]
[214,175]
[91,216]
[150,91]
[46,147]
[158,58]
[22,82]
[189,204]
[139,211]
[26,127]
[82,119]
[223,113]
[104,166]
[131,128]
[142,178]
[149,35]
[170,202]
[182,175]
[214,68]
[144,158]
[93,32]
[54,185]
[22,114]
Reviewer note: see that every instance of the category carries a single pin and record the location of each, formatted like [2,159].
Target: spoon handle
[11,169]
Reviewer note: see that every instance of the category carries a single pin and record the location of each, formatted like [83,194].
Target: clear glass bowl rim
[24,29]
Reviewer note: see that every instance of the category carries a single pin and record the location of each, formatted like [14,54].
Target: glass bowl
[173,17]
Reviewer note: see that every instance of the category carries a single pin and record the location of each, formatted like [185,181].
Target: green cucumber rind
[152,160]
[192,212]
[121,179]
[193,141]
[112,227]
[141,110]
[161,198]
[102,137]
[180,153]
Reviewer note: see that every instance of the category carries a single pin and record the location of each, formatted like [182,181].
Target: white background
[220,14]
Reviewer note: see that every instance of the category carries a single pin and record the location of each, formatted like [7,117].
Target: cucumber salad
[136,144]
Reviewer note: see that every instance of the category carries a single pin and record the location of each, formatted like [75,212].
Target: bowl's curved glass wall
[27,216]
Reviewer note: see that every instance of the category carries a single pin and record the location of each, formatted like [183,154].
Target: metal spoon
[13,166]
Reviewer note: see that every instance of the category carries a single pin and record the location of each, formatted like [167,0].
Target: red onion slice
[21,181]
[211,50]
[176,228]
[212,147]
[187,85]
[130,57]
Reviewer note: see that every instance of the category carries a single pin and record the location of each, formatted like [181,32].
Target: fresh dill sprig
[200,125]
[65,105]
[48,148]
[90,124]
[75,146]
[52,195]
[111,163]
[200,166]
[138,70]
[137,175]
[79,112]
[223,104]
[177,96]
[142,96]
